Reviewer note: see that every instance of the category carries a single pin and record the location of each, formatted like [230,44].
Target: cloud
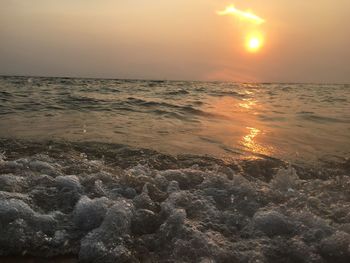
[248,16]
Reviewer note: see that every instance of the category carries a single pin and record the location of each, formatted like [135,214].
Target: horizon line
[175,80]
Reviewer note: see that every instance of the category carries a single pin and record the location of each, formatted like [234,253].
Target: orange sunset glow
[235,40]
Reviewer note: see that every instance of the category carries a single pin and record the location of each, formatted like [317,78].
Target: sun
[252,32]
[254,43]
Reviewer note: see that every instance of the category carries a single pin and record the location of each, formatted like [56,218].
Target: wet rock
[89,214]
[314,228]
[290,250]
[106,243]
[285,180]
[13,209]
[145,222]
[272,223]
[52,198]
[345,228]
[12,183]
[216,181]
[299,251]
[187,178]
[154,193]
[222,197]
[69,182]
[336,248]
[247,206]
[190,250]
[206,213]
[175,200]
[43,167]
[161,182]
[197,246]
[140,170]
[143,201]
[18,196]
[60,238]
[99,253]
[173,187]
[13,239]
[12,166]
[43,180]
[126,192]
[22,228]
[262,169]
[98,188]
[171,228]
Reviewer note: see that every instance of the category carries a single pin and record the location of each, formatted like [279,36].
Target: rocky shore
[93,202]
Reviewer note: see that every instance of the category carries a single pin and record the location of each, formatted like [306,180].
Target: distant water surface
[293,122]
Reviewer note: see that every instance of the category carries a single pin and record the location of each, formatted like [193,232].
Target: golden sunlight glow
[247,104]
[249,16]
[249,141]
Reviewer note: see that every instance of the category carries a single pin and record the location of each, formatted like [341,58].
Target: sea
[293,122]
[111,170]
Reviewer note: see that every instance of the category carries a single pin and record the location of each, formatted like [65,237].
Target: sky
[303,41]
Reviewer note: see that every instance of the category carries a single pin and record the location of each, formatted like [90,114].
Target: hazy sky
[305,41]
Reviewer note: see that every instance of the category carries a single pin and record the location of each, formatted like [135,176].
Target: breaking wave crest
[106,203]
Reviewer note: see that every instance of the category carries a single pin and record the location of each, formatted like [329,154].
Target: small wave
[83,99]
[331,100]
[198,112]
[178,92]
[155,83]
[5,94]
[271,118]
[188,109]
[228,93]
[171,114]
[305,112]
[321,119]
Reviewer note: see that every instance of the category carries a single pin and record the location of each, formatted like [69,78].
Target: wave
[320,119]
[184,109]
[178,92]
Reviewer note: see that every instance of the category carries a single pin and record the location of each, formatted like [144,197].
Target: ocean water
[292,122]
[158,171]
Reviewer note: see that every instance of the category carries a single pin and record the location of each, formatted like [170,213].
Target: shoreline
[102,202]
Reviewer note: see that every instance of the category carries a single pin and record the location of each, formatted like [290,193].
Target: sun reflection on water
[250,142]
[236,124]
[247,104]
